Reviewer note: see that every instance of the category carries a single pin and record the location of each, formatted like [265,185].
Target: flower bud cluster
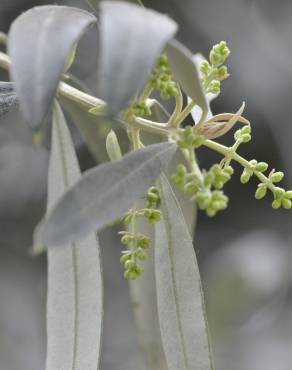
[281,197]
[140,108]
[188,139]
[213,72]
[161,79]
[138,243]
[243,135]
[206,193]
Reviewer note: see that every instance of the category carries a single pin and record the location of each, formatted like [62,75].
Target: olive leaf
[105,193]
[132,38]
[185,71]
[74,308]
[8,99]
[183,323]
[39,42]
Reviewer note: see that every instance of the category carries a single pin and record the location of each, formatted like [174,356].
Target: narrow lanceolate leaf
[8,99]
[39,42]
[197,110]
[74,308]
[132,38]
[185,71]
[181,310]
[105,193]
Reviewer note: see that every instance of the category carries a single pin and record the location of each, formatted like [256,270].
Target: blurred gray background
[244,253]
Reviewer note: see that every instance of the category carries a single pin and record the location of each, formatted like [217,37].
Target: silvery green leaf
[74,308]
[197,110]
[185,71]
[39,42]
[183,323]
[93,133]
[8,99]
[105,193]
[132,38]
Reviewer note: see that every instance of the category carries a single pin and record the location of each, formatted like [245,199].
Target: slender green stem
[231,154]
[187,110]
[146,92]
[174,118]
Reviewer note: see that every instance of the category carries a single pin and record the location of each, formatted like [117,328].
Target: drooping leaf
[132,38]
[93,131]
[181,309]
[74,308]
[197,110]
[105,193]
[8,99]
[39,42]
[185,71]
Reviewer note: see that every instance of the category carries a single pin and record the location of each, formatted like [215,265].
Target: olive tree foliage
[138,55]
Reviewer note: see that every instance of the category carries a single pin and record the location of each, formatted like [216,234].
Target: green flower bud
[219,53]
[237,135]
[181,169]
[245,177]
[211,212]
[218,184]
[222,72]
[130,265]
[125,257]
[288,194]
[261,192]
[127,239]
[262,166]
[203,200]
[214,87]
[139,270]
[208,178]
[127,219]
[143,241]
[279,192]
[205,68]
[229,170]
[276,203]
[127,274]
[277,176]
[190,188]
[286,203]
[141,255]
[253,162]
[246,129]
[245,138]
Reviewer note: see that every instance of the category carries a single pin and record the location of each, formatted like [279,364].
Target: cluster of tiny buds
[140,108]
[161,79]
[281,197]
[243,135]
[211,201]
[138,243]
[188,139]
[213,72]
